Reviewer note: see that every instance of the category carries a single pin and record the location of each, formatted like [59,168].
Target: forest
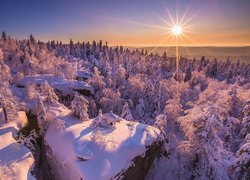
[202,110]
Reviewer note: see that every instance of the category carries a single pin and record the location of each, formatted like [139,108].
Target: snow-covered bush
[110,119]
[29,141]
[98,120]
[80,106]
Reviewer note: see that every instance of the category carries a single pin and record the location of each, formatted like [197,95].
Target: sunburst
[172,29]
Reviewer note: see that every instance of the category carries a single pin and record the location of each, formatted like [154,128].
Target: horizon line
[131,45]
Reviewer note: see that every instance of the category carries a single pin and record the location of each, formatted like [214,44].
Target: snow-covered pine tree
[246,121]
[41,116]
[97,81]
[242,163]
[126,114]
[98,120]
[140,109]
[178,75]
[4,36]
[161,122]
[188,73]
[92,108]
[48,91]
[80,106]
[7,102]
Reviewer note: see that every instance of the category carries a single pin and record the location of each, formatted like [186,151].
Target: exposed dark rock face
[141,164]
[41,169]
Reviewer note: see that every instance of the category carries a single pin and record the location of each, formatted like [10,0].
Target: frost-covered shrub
[97,121]
[80,106]
[110,119]
[7,172]
[29,141]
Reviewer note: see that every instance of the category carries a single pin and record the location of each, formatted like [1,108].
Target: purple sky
[127,22]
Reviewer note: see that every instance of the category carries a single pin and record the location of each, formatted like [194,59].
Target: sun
[176,30]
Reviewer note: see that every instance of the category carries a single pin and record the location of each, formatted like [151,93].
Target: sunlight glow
[177,30]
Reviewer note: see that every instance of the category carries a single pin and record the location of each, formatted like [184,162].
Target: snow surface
[16,160]
[95,152]
[64,85]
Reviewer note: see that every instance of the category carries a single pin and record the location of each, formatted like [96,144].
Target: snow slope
[15,159]
[94,152]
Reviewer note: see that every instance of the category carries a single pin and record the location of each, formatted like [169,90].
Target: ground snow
[15,159]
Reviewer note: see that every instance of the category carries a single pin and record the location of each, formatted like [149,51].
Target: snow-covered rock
[92,152]
[16,161]
[61,84]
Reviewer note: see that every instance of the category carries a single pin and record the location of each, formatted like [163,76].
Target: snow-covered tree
[4,69]
[246,121]
[126,114]
[48,91]
[242,163]
[110,100]
[80,106]
[98,120]
[204,147]
[7,102]
[161,122]
[140,109]
[4,36]
[188,73]
[92,108]
[120,75]
[178,75]
[41,116]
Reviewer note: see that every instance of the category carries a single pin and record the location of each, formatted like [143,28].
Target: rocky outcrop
[141,164]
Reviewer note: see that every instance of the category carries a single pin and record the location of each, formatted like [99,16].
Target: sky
[129,22]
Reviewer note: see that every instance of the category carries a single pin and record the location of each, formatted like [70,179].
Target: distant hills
[221,53]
